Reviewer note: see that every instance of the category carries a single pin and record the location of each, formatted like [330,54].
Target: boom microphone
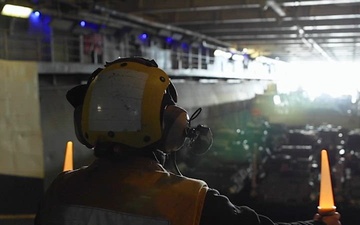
[200,139]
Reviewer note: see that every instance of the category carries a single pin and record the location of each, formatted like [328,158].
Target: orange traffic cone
[69,155]
[326,200]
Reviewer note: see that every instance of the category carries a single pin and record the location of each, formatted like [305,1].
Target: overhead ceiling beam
[269,20]
[200,8]
[311,43]
[318,2]
[142,21]
[276,7]
[267,29]
[227,6]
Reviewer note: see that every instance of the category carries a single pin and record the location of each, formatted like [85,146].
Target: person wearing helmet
[127,113]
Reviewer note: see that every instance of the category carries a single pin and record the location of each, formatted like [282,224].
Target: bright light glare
[16,11]
[335,79]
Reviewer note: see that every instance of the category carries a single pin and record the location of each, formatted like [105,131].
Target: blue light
[39,23]
[185,46]
[35,16]
[143,36]
[82,23]
[169,40]
[93,26]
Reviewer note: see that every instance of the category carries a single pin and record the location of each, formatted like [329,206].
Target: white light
[222,53]
[342,152]
[37,13]
[233,81]
[238,57]
[277,100]
[227,55]
[208,81]
[16,11]
[218,52]
[354,98]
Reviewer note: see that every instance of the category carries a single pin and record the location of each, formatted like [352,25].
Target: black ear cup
[76,95]
[77,125]
[175,123]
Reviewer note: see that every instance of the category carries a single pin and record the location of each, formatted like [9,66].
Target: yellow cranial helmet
[125,103]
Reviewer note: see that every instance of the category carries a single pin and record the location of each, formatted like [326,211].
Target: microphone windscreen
[203,142]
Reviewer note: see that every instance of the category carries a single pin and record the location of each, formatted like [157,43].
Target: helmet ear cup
[175,123]
[77,125]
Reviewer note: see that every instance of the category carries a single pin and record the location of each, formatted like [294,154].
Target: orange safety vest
[140,190]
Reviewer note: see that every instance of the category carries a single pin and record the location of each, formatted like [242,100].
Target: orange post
[326,201]
[69,155]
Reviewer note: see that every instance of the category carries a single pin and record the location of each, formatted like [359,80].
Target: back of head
[131,103]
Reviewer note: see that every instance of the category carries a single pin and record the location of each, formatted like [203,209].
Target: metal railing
[70,49]
[39,48]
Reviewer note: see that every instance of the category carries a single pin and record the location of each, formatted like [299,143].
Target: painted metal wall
[21,147]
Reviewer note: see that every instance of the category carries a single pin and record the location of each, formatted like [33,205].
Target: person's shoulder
[185,179]
[202,182]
